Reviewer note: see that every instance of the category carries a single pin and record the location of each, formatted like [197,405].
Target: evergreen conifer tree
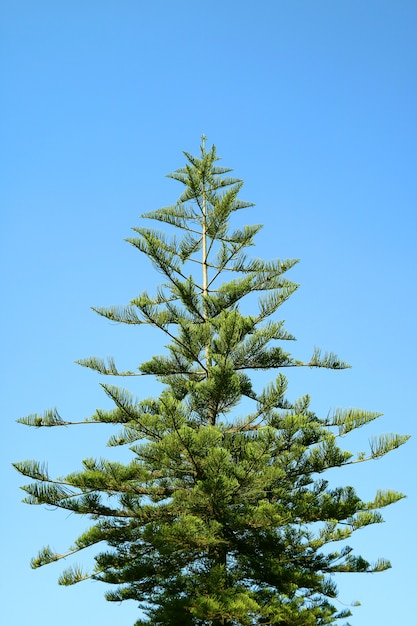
[217,519]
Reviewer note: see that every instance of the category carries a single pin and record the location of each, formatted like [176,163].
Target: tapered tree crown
[217,519]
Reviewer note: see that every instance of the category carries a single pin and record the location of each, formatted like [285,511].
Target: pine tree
[218,519]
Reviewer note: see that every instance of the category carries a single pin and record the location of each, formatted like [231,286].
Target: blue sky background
[313,103]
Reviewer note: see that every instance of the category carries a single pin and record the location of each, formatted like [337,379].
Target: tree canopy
[219,518]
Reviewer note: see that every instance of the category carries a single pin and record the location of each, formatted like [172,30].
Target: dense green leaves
[223,515]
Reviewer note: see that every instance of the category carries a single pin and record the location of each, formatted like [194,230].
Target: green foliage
[217,519]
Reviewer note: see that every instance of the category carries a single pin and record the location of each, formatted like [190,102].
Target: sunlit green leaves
[222,515]
[48,418]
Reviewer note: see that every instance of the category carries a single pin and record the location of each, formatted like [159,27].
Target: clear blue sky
[313,103]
